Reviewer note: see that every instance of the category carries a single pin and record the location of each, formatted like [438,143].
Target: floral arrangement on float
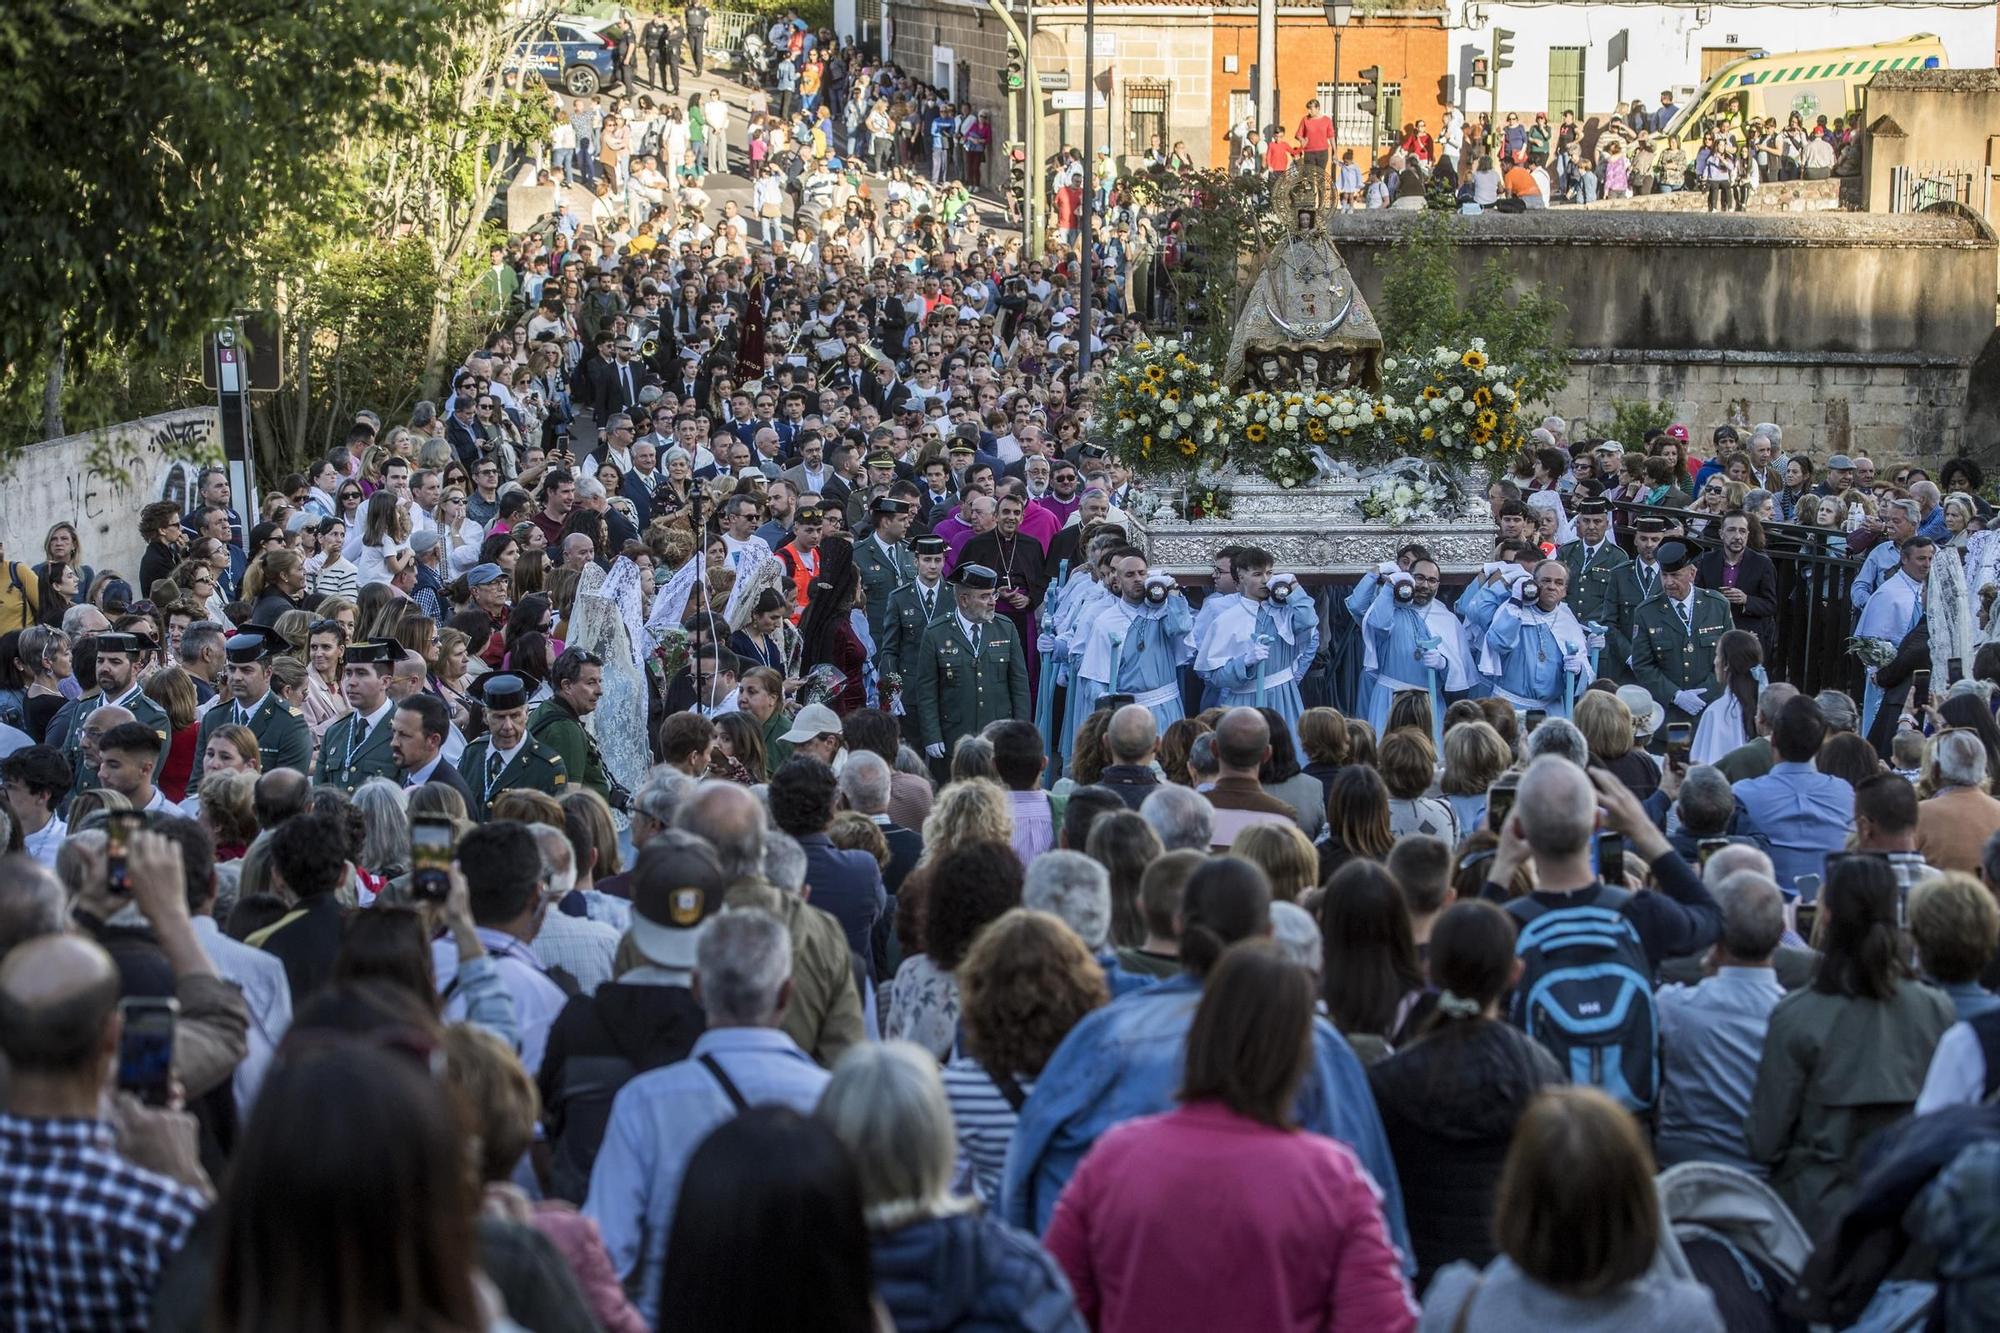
[1441,416]
[1465,411]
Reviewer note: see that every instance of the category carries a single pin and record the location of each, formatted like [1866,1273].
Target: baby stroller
[1730,1232]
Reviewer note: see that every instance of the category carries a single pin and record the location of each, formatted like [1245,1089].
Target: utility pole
[1267,64]
[1083,238]
[1033,206]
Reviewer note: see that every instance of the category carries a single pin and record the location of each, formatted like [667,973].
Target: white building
[1592,57]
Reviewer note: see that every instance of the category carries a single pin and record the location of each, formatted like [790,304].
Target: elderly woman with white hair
[940,1260]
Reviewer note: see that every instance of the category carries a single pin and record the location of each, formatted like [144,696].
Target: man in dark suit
[418,729]
[463,432]
[617,385]
[847,885]
[1747,580]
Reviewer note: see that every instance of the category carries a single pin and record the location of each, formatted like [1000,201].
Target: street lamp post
[1083,239]
[1338,14]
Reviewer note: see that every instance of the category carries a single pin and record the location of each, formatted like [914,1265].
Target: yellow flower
[1474,360]
[1380,411]
[1481,436]
[1255,433]
[1430,391]
[1482,395]
[1155,374]
[1488,420]
[1430,432]
[1172,395]
[1187,446]
[1315,432]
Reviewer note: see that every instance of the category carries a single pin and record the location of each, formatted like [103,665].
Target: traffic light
[1503,48]
[1479,78]
[1017,170]
[1370,80]
[1014,75]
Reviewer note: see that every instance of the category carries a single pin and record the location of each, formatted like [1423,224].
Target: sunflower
[1431,392]
[1487,420]
[1187,446]
[1482,395]
[1172,395]
[1255,433]
[1481,436]
[1315,432]
[1473,360]
[1381,410]
[1155,374]
[1429,432]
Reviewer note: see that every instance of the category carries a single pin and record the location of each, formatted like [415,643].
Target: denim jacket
[1124,1061]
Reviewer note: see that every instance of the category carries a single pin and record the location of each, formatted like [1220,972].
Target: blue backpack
[1586,993]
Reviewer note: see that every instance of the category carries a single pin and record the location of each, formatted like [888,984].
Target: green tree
[162,149]
[1224,223]
[1427,302]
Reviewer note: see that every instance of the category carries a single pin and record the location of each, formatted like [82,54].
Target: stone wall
[100,480]
[1914,408]
[1825,196]
[1851,331]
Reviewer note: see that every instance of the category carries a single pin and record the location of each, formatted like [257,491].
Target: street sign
[1053,80]
[1104,45]
[260,333]
[1073,101]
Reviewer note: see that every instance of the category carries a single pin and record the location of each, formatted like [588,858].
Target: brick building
[1178,70]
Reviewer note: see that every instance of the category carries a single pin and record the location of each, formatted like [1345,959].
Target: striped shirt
[985,1126]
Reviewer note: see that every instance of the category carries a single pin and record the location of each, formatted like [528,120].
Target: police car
[573,52]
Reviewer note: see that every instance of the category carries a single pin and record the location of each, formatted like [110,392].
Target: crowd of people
[722,795]
[1520,161]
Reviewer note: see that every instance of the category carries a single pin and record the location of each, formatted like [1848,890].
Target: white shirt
[43,845]
[419,776]
[266,994]
[537,1000]
[162,806]
[973,633]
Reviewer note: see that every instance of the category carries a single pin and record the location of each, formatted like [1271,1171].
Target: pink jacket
[1163,1204]
[575,1238]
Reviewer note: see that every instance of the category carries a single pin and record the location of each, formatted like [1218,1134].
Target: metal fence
[1815,608]
[1919,185]
[726,30]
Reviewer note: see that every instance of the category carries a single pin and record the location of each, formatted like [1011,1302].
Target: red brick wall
[1410,52]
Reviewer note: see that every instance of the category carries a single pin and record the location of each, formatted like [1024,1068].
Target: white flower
[1455,393]
[1469,407]
[1185,418]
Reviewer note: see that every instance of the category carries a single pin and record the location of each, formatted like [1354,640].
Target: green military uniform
[1590,576]
[1666,658]
[1630,587]
[139,706]
[557,727]
[534,766]
[882,572]
[903,625]
[955,689]
[345,765]
[284,740]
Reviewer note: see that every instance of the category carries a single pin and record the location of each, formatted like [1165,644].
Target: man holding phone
[104,1228]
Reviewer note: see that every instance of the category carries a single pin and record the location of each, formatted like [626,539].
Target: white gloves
[935,749]
[1436,660]
[1595,641]
[1256,653]
[1690,701]
[1045,643]
[1492,567]
[1388,567]
[1400,579]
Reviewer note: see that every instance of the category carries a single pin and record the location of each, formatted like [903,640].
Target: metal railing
[1919,185]
[726,30]
[1814,615]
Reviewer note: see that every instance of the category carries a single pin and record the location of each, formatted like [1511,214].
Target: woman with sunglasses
[347,502]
